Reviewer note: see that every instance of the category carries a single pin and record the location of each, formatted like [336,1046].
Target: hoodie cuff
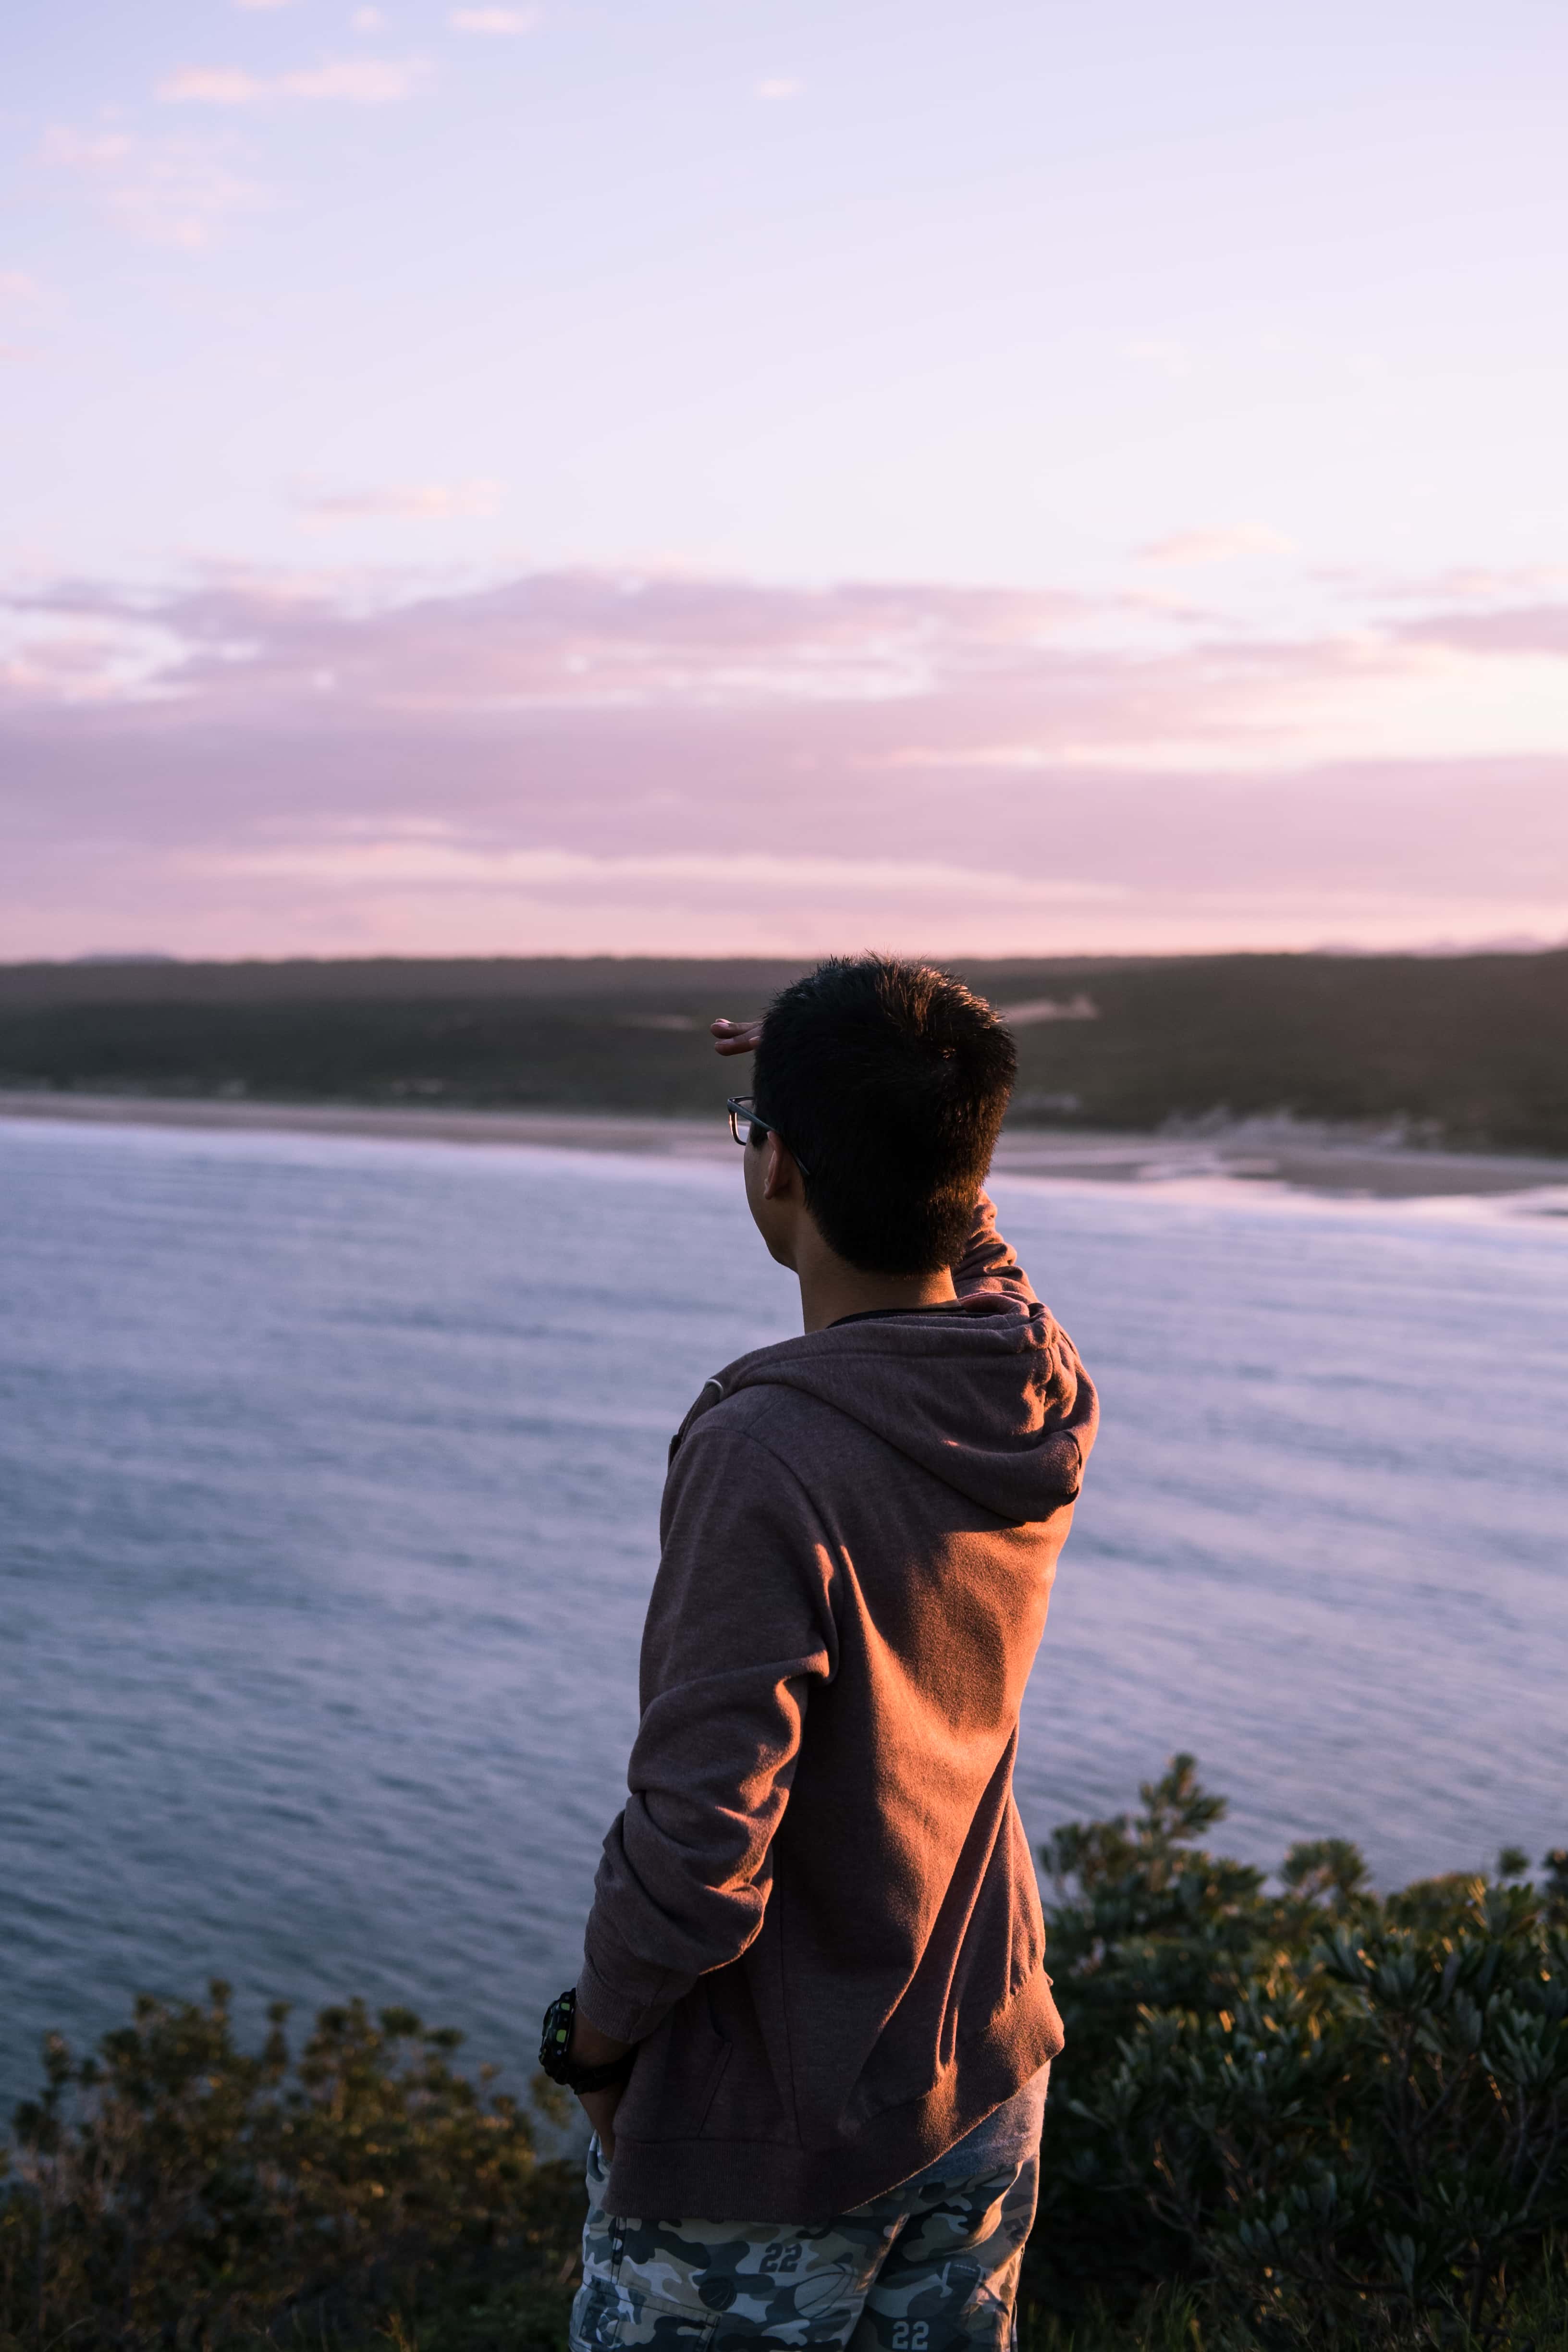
[612,2013]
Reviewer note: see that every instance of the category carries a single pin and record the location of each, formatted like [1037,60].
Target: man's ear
[779,1176]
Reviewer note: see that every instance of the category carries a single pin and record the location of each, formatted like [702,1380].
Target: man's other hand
[599,2106]
[592,2048]
[736,1037]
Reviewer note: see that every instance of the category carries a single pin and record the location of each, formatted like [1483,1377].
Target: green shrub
[176,2192]
[1343,2121]
[1302,2118]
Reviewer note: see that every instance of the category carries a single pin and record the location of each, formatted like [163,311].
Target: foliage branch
[1344,2118]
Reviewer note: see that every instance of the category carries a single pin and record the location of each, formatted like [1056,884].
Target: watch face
[556,2041]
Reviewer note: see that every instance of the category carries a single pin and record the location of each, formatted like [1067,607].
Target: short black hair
[887,1080]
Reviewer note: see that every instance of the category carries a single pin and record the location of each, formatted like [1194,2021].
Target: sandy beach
[1261,1151]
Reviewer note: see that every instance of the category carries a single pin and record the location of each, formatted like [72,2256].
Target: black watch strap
[555,2052]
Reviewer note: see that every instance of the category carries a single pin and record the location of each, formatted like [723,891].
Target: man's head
[888,1082]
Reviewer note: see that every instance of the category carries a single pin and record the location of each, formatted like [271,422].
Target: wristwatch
[555,2052]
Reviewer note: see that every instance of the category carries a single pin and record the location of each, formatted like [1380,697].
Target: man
[813,2025]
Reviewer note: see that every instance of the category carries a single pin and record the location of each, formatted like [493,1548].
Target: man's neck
[830,1288]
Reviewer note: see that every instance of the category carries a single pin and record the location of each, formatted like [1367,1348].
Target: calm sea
[329,1472]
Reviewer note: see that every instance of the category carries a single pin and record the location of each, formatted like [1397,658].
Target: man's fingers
[736,1037]
[599,2106]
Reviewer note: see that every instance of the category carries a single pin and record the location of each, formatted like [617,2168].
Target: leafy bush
[1344,2118]
[176,2192]
[1308,2117]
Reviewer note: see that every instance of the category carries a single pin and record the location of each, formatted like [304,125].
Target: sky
[727,475]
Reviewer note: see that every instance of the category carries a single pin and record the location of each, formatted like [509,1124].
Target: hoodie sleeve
[987,1262]
[739,1627]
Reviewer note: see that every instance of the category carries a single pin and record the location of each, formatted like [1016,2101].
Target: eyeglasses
[747,1128]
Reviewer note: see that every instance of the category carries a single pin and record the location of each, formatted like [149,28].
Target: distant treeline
[1464,1050]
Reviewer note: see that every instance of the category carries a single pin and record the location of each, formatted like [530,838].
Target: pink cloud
[408,502]
[1184,547]
[358,81]
[928,677]
[493,21]
[585,640]
[1521,629]
[161,191]
[584,761]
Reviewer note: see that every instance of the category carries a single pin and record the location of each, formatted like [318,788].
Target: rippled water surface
[329,1472]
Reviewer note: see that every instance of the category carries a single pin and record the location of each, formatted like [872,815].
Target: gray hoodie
[818,1914]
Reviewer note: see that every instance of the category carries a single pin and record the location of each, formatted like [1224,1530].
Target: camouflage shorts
[932,2267]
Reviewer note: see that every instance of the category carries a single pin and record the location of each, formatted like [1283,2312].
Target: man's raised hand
[736,1037]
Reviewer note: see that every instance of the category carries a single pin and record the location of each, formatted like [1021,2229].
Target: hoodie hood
[988,1395]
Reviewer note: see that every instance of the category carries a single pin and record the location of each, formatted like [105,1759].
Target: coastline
[1279,1152]
[558,1130]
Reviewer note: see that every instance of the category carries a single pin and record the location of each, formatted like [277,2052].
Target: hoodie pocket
[671,2098]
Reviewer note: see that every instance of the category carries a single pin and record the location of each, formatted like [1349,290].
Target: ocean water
[329,1476]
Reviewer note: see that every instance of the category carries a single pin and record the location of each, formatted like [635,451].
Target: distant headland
[1461,1053]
